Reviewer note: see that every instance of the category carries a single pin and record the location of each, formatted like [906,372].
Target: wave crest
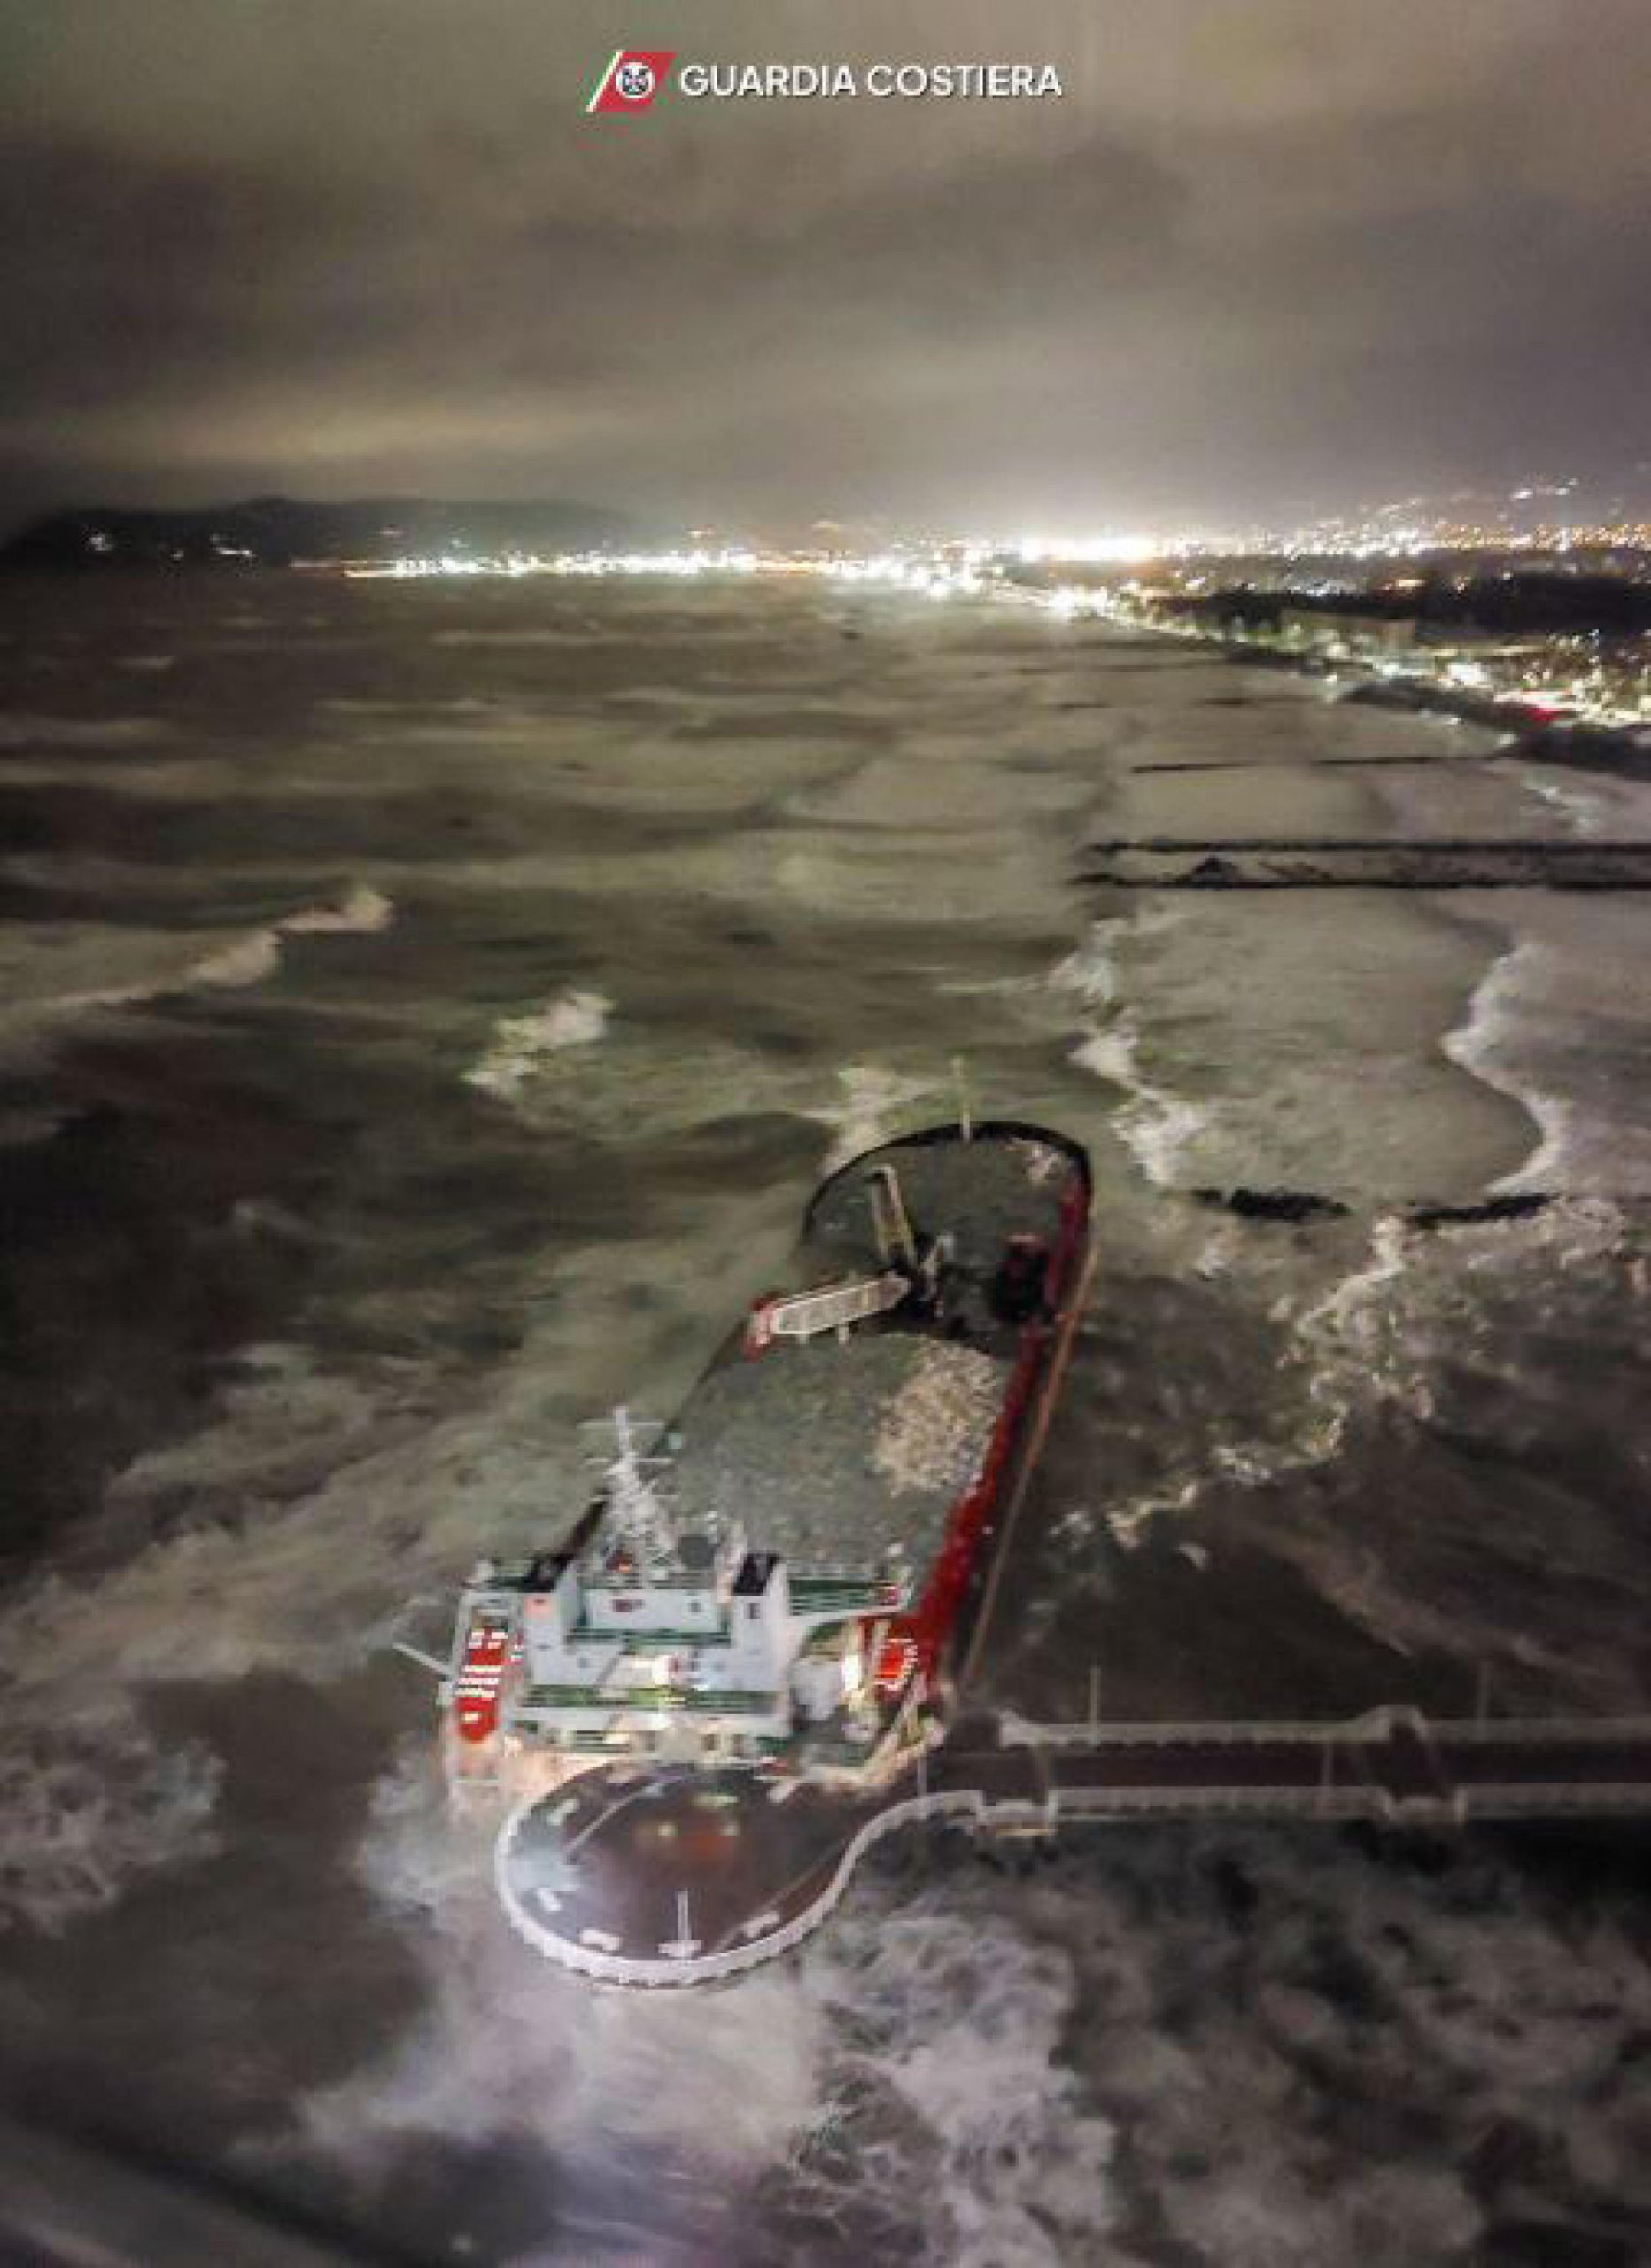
[89,1801]
[521,1046]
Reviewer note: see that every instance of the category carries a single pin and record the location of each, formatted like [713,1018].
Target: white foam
[1111,1054]
[1376,1334]
[1359,1336]
[1483,1045]
[1228,2054]
[722,2086]
[362,912]
[522,1047]
[956,2019]
[992,988]
[418,1855]
[1424,1304]
[1092,970]
[246,960]
[279,1424]
[1356,1343]
[1265,2215]
[170,962]
[89,1801]
[870,1108]
[1158,1128]
[245,1573]
[1129,1522]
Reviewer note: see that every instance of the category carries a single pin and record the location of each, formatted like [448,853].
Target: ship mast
[637,1514]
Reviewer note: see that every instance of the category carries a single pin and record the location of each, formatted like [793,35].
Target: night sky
[1264,256]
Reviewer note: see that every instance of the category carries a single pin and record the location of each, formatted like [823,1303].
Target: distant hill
[275,531]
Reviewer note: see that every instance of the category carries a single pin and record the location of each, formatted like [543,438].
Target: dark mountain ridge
[279,531]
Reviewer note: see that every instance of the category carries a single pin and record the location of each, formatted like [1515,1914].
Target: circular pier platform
[678,1876]
[681,1876]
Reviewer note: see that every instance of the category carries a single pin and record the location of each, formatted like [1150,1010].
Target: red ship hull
[919,1640]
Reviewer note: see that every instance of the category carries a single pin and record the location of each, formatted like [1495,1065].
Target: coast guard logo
[632,80]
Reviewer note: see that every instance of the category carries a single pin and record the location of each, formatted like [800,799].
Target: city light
[1336,588]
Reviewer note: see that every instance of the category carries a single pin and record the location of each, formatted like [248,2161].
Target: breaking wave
[360,913]
[907,2083]
[951,2086]
[1480,1045]
[251,958]
[521,1046]
[89,1801]
[242,1574]
[1092,970]
[1571,1051]
[871,1105]
[709,2091]
[1159,1127]
[1380,1335]
[240,960]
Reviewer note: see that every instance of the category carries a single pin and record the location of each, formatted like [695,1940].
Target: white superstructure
[659,1639]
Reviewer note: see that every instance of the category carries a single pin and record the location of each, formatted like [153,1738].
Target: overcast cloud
[1265,253]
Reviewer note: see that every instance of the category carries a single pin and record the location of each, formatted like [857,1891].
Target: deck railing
[734,1702]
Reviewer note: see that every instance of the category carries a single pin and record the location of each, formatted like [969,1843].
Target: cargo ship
[779,1574]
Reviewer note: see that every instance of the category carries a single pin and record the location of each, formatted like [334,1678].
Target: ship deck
[1000,1183]
[831,1451]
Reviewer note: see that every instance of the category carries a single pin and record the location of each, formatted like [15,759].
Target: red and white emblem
[632,80]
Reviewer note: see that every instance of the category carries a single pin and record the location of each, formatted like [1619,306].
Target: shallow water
[426,1011]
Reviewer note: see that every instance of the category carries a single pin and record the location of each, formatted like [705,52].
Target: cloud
[282,246]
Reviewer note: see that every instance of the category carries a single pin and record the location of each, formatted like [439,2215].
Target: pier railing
[734,1701]
[1015,1731]
[769,1938]
[1392,1764]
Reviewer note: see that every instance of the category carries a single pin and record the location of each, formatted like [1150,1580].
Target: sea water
[426,1010]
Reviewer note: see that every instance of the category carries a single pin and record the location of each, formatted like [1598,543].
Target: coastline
[1235,1018]
[1622,751]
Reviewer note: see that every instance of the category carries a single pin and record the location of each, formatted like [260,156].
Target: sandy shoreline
[1297,994]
